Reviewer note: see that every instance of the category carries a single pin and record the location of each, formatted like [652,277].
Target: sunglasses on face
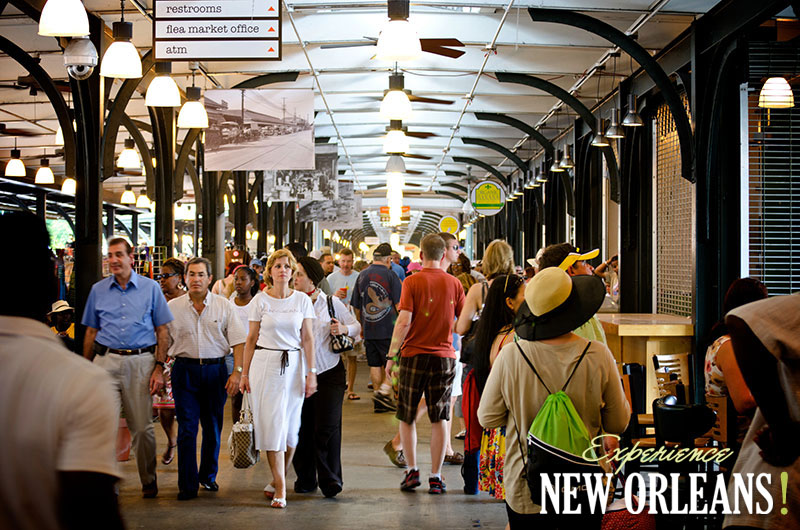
[159,277]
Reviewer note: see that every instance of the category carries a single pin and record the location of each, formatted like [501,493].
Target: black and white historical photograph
[303,184]
[338,214]
[259,129]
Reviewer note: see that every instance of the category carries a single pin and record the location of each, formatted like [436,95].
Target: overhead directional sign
[225,30]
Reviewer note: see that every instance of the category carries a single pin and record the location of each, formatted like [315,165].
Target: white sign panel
[217,30]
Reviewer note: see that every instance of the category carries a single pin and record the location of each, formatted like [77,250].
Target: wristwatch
[163,365]
[313,370]
[239,369]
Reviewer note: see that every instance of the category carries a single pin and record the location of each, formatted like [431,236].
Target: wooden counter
[636,337]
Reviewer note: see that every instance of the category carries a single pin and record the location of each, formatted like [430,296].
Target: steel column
[240,209]
[163,121]
[41,203]
[134,229]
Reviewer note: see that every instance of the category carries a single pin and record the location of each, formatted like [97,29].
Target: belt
[201,362]
[137,351]
[284,356]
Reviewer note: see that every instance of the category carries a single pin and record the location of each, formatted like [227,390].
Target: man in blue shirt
[126,320]
[396,267]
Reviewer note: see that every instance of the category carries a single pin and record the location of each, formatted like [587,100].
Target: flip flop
[269,491]
[278,503]
[352,396]
[170,451]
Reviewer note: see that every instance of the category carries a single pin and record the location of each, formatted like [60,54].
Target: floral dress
[716,386]
[493,453]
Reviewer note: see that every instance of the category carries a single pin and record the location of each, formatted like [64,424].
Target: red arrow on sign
[271,9]
[271,29]
[271,50]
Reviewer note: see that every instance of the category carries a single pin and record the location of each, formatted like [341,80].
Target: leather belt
[284,356]
[201,362]
[137,351]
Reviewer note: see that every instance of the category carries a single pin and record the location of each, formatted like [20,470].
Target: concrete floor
[371,497]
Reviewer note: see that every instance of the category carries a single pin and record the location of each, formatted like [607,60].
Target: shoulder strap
[532,368]
[576,366]
[483,293]
[331,312]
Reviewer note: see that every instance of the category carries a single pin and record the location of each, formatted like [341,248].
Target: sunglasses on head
[159,277]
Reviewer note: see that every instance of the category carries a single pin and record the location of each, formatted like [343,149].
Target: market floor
[371,497]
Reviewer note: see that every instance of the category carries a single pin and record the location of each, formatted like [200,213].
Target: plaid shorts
[429,375]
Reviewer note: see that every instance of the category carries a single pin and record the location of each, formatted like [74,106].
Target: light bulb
[121,59]
[398,42]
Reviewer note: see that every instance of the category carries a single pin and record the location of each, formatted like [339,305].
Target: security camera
[80,58]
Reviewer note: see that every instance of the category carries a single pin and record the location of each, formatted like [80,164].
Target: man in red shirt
[430,301]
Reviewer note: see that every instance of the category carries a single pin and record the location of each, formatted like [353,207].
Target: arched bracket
[568,191]
[480,163]
[144,149]
[64,215]
[456,186]
[183,159]
[49,88]
[520,125]
[449,194]
[523,167]
[115,113]
[198,188]
[650,65]
[575,104]
[537,195]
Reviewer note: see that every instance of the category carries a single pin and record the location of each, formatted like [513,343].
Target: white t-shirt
[281,319]
[242,311]
[337,280]
[58,414]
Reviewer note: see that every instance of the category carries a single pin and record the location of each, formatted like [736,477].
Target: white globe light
[776,94]
[163,92]
[193,114]
[64,18]
[398,42]
[396,106]
[395,142]
[121,61]
[129,158]
[44,175]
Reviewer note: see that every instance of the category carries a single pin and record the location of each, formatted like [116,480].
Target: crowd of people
[439,336]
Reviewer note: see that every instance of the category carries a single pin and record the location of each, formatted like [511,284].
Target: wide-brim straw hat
[557,303]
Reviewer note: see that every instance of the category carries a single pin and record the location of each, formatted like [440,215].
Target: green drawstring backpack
[557,440]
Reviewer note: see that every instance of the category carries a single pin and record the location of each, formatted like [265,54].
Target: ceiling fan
[29,83]
[400,32]
[8,131]
[397,85]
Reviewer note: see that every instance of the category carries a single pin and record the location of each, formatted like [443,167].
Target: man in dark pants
[203,332]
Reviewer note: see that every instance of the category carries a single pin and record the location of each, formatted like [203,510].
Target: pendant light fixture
[68,186]
[163,92]
[142,201]
[614,130]
[632,119]
[776,94]
[395,141]
[129,158]
[395,104]
[44,175]
[542,177]
[128,197]
[15,166]
[555,167]
[600,139]
[566,161]
[63,18]
[398,41]
[122,60]
[395,164]
[193,114]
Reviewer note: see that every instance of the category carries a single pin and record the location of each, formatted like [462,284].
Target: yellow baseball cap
[572,257]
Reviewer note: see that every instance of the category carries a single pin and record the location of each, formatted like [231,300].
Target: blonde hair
[498,259]
[275,256]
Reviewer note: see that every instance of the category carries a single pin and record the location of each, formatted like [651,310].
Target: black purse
[339,343]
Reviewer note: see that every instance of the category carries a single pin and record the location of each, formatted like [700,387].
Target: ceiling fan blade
[17,132]
[434,101]
[28,81]
[420,157]
[455,173]
[414,172]
[438,47]
[421,134]
[371,41]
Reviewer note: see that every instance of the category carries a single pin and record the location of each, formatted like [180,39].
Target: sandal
[278,503]
[169,454]
[352,396]
[269,491]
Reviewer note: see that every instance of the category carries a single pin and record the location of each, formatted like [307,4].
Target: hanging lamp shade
[163,92]
[15,166]
[632,119]
[129,158]
[395,164]
[555,167]
[142,201]
[59,140]
[398,42]
[395,142]
[64,18]
[600,139]
[396,106]
[68,186]
[776,94]
[128,197]
[567,162]
[614,130]
[44,175]
[122,60]
[193,114]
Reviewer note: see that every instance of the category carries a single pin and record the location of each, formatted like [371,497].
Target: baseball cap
[384,250]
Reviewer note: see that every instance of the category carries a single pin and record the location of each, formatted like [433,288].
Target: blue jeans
[199,392]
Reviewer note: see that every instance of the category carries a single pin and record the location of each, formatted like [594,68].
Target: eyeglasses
[159,277]
[456,247]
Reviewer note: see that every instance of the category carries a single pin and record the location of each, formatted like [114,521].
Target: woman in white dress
[318,460]
[279,377]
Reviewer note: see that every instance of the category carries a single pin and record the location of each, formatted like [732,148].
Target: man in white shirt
[342,283]
[204,330]
[58,443]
